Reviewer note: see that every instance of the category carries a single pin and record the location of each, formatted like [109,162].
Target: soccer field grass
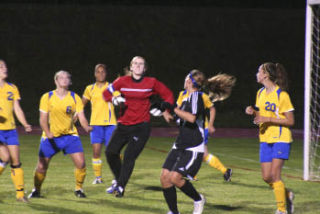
[245,194]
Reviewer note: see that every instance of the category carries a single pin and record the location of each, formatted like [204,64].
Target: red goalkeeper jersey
[137,94]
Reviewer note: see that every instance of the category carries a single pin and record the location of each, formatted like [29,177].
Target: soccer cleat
[119,191]
[280,212]
[289,201]
[112,188]
[198,205]
[80,194]
[97,181]
[227,175]
[23,200]
[170,212]
[34,194]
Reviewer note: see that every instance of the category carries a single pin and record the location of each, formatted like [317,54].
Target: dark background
[38,38]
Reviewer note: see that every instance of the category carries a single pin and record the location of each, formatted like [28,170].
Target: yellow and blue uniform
[61,112]
[207,104]
[8,134]
[103,119]
[275,140]
[8,94]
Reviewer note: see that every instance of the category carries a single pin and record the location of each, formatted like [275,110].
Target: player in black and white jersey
[184,160]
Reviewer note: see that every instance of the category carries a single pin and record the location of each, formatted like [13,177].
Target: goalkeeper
[273,113]
[133,124]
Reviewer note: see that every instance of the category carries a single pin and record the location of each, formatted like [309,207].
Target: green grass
[246,194]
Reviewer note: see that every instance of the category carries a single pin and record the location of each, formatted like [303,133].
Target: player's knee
[267,179]
[42,167]
[80,164]
[165,180]
[3,163]
[175,179]
[5,158]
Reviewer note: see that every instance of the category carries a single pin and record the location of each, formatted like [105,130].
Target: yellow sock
[97,167]
[38,180]
[18,181]
[280,195]
[2,166]
[80,175]
[214,162]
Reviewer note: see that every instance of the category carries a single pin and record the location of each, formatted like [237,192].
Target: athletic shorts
[187,163]
[206,136]
[101,134]
[69,144]
[269,151]
[9,137]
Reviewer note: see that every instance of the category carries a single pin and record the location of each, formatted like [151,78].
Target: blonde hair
[220,86]
[100,65]
[58,73]
[140,57]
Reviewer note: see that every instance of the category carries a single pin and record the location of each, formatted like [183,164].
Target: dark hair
[277,74]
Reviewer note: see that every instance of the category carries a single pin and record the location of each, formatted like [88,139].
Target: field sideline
[247,193]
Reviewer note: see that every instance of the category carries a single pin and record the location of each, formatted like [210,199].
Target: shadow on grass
[262,186]
[120,204]
[48,208]
[153,188]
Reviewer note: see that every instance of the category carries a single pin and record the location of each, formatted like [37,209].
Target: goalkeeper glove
[118,100]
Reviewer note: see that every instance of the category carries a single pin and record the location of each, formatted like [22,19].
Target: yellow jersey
[102,112]
[61,112]
[8,94]
[274,105]
[183,95]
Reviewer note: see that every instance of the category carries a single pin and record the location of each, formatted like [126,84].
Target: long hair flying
[220,86]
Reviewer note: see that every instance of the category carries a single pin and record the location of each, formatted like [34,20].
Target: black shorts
[183,161]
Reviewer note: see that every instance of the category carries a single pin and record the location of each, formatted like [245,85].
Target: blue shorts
[268,151]
[9,137]
[101,134]
[206,136]
[69,144]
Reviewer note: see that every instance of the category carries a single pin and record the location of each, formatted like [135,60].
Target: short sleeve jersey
[61,112]
[206,100]
[274,104]
[191,134]
[102,112]
[8,94]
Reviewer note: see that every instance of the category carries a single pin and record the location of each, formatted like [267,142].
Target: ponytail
[277,74]
[220,86]
[282,77]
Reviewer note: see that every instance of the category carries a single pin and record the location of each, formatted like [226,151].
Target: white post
[307,73]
